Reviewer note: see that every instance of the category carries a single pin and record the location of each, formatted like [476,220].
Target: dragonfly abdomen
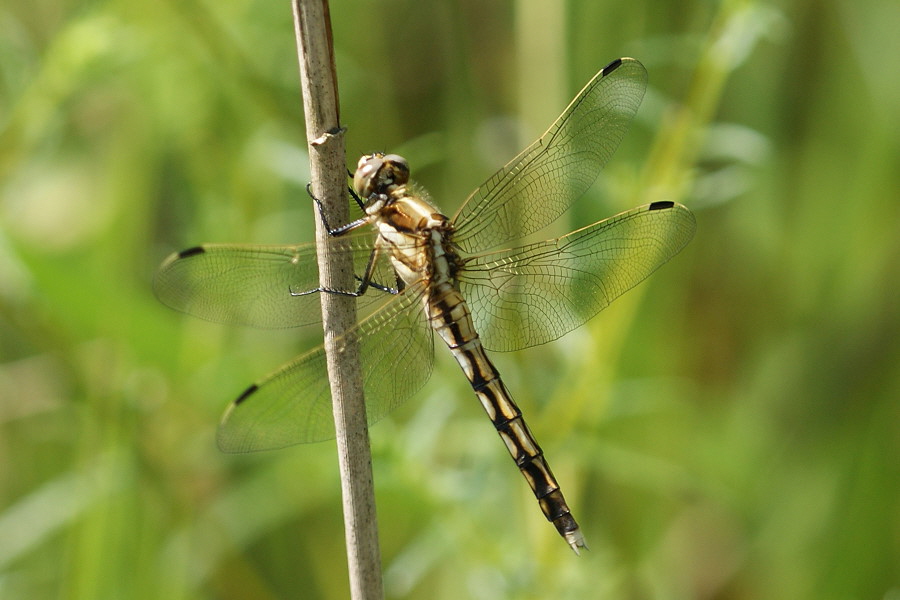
[449,315]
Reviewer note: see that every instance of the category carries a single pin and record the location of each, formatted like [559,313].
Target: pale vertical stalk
[328,173]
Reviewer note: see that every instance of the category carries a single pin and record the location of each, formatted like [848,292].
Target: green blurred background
[730,429]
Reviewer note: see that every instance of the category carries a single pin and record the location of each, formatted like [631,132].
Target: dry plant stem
[328,174]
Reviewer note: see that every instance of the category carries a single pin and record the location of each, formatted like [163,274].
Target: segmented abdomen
[449,316]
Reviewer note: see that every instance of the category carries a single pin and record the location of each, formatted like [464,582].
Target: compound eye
[398,160]
[367,170]
[398,168]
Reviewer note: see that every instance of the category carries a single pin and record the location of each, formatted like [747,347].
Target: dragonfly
[422,274]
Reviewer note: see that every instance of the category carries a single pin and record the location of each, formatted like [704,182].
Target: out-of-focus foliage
[730,429]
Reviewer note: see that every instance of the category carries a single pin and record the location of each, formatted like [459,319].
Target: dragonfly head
[379,174]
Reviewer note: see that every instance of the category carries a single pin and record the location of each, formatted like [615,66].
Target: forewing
[254,285]
[535,294]
[293,404]
[538,185]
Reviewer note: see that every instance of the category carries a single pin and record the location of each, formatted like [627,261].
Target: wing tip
[624,60]
[612,66]
[661,205]
[245,394]
[193,251]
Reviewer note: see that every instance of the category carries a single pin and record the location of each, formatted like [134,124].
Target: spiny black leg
[359,201]
[336,231]
[324,290]
[364,282]
[355,294]
[378,286]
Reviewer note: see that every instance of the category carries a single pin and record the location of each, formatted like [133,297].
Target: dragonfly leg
[355,196]
[363,286]
[365,282]
[325,290]
[383,288]
[337,231]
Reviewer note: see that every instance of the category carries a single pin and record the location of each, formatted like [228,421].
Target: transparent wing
[293,404]
[538,185]
[252,285]
[535,294]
